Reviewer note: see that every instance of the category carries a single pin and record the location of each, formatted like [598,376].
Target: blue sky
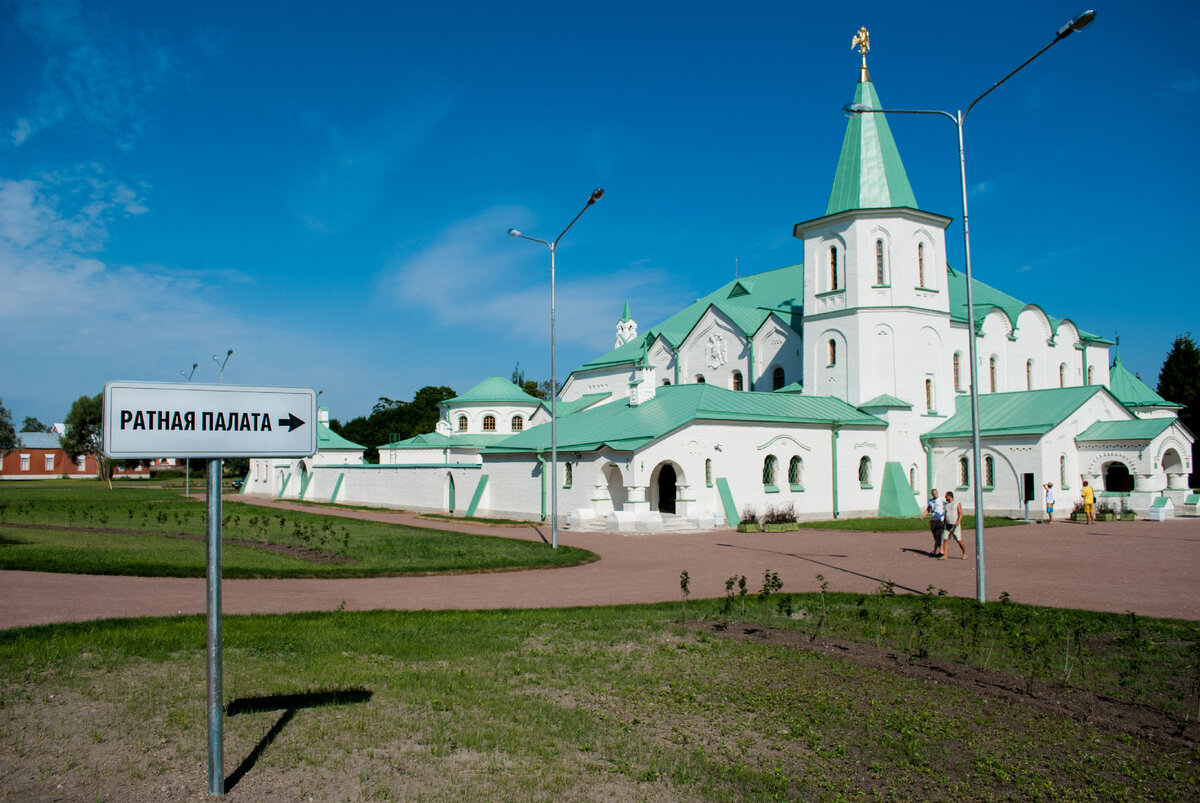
[325,188]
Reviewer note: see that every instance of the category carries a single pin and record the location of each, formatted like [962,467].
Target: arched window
[1029,374]
[737,380]
[864,471]
[989,472]
[777,378]
[1062,471]
[920,264]
[833,269]
[1062,375]
[795,473]
[992,373]
[708,472]
[489,423]
[1089,375]
[964,472]
[957,371]
[912,479]
[769,470]
[929,396]
[833,352]
[879,261]
[518,423]
[568,475]
[700,379]
[462,423]
[666,382]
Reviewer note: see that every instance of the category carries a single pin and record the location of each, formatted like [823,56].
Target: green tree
[1179,381]
[392,419]
[85,434]
[8,436]
[31,424]
[538,390]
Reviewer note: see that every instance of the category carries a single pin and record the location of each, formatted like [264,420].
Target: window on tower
[879,261]
[777,379]
[833,352]
[489,423]
[992,373]
[833,268]
[920,264]
[957,372]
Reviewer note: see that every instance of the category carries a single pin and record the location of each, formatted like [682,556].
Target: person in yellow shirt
[1089,502]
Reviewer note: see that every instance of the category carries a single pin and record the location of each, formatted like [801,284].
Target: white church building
[838,386]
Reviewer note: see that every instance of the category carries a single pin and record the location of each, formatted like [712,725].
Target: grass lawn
[578,704]
[135,529]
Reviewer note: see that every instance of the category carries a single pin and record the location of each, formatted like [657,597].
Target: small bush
[749,515]
[784,514]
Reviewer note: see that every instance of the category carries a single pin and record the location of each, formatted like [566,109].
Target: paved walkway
[1152,568]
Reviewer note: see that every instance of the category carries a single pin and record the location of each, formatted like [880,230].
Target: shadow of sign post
[289,704]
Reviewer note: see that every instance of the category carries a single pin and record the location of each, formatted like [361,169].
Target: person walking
[1049,488]
[935,508]
[1089,502]
[953,517]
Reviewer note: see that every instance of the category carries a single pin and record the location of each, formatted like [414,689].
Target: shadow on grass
[289,704]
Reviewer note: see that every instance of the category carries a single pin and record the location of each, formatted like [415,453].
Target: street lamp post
[220,362]
[553,246]
[1077,23]
[187,461]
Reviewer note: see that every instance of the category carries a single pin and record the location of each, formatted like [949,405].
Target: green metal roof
[987,297]
[494,389]
[1026,412]
[436,440]
[626,428]
[1140,429]
[746,301]
[885,400]
[328,440]
[794,387]
[582,403]
[870,174]
[1131,391]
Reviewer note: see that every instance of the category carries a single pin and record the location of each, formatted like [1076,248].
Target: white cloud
[471,274]
[93,72]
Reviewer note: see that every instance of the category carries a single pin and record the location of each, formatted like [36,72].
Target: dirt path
[1152,568]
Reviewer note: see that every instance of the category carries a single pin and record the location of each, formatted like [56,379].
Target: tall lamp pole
[1077,23]
[220,362]
[187,461]
[596,195]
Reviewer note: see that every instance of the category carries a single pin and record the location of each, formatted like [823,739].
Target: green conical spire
[625,316]
[869,174]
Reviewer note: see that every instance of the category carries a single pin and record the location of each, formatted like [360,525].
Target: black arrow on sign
[291,422]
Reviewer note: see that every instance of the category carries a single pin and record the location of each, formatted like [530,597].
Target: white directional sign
[161,419]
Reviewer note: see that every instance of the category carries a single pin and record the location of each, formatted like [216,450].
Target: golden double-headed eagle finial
[862,40]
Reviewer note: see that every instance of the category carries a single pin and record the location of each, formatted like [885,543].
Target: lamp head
[514,233]
[597,194]
[1077,23]
[229,353]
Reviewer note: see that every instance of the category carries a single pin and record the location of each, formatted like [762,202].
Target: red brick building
[39,456]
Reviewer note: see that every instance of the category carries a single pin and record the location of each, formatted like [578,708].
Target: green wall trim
[895,496]
[337,487]
[283,488]
[471,508]
[542,461]
[731,511]
[245,482]
[305,479]
[833,435]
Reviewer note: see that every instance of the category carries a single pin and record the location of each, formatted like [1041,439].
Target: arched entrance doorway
[616,486]
[1117,477]
[666,488]
[449,493]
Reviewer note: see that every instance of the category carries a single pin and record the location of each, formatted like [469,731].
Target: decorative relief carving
[715,351]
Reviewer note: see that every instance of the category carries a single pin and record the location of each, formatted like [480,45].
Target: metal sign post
[144,420]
